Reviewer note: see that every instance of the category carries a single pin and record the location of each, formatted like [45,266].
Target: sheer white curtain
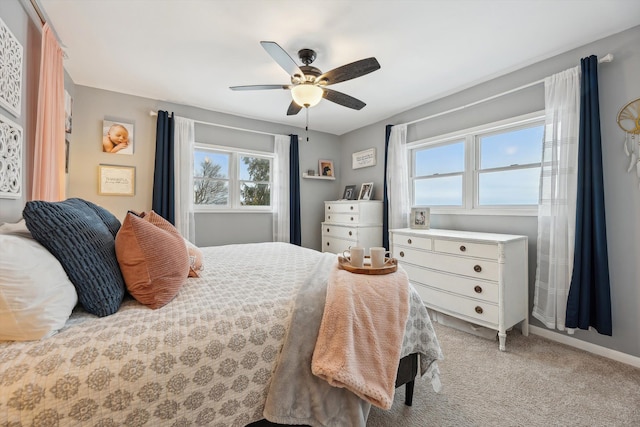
[280,190]
[184,140]
[558,187]
[398,178]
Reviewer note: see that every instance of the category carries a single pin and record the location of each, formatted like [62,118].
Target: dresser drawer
[335,245]
[411,241]
[340,208]
[339,231]
[341,218]
[458,305]
[479,269]
[479,250]
[486,291]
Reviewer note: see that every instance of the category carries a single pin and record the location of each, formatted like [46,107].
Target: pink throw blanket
[360,337]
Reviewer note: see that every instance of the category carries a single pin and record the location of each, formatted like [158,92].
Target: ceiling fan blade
[260,87]
[282,58]
[293,109]
[342,99]
[349,71]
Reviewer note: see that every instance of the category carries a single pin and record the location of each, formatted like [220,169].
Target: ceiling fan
[309,84]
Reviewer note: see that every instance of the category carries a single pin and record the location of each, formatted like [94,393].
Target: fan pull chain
[306,128]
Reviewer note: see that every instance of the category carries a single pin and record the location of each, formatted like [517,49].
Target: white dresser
[351,223]
[477,277]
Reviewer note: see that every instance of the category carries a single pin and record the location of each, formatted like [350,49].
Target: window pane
[445,191]
[254,169]
[211,192]
[517,147]
[253,194]
[442,159]
[513,187]
[208,164]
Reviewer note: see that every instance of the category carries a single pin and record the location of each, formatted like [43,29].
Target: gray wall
[92,106]
[618,84]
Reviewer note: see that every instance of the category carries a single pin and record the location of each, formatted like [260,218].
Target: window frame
[234,180]
[471,173]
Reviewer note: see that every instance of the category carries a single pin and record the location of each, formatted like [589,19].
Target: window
[227,179]
[493,167]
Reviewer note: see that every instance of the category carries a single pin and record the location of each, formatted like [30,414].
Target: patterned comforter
[206,358]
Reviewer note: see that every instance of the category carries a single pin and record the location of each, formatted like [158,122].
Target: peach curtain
[48,160]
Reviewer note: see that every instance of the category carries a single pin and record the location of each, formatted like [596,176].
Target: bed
[208,357]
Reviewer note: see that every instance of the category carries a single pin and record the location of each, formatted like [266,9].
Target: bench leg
[408,398]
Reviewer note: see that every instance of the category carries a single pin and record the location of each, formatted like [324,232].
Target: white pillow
[36,296]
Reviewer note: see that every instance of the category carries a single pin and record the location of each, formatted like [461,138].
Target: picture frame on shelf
[349,192]
[116,180]
[420,217]
[325,168]
[366,191]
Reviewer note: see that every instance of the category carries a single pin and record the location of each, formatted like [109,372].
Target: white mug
[355,256]
[379,257]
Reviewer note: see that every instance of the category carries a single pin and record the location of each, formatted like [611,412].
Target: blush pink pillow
[153,258]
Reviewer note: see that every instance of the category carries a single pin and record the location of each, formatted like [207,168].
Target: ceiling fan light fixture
[306,95]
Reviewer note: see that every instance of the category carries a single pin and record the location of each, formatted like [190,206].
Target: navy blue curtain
[589,301]
[163,202]
[295,230]
[385,200]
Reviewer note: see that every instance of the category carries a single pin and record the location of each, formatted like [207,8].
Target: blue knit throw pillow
[79,238]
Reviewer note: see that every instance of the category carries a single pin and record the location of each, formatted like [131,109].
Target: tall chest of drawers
[351,223]
[481,278]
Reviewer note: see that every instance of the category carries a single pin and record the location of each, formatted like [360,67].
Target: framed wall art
[363,159]
[10,159]
[116,180]
[11,75]
[117,137]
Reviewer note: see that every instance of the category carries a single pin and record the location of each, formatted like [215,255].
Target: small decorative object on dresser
[420,217]
[351,223]
[480,278]
[366,191]
[349,192]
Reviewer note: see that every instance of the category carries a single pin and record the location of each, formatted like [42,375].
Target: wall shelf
[328,178]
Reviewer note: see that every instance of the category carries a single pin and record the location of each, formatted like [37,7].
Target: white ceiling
[190,51]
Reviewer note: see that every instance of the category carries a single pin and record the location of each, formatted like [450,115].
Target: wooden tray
[367,269]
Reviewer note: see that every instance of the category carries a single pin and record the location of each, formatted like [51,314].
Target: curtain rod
[607,58]
[154,113]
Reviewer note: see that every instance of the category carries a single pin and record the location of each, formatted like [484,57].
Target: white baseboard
[586,346]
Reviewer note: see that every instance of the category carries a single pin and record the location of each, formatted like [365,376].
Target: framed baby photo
[117,137]
[420,217]
[366,191]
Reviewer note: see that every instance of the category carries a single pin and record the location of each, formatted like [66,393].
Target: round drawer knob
[478,309]
[401,253]
[478,289]
[351,207]
[327,230]
[351,218]
[328,216]
[329,207]
[463,248]
[327,243]
[477,268]
[409,241]
[350,233]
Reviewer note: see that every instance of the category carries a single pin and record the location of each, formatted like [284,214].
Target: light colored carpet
[536,382]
